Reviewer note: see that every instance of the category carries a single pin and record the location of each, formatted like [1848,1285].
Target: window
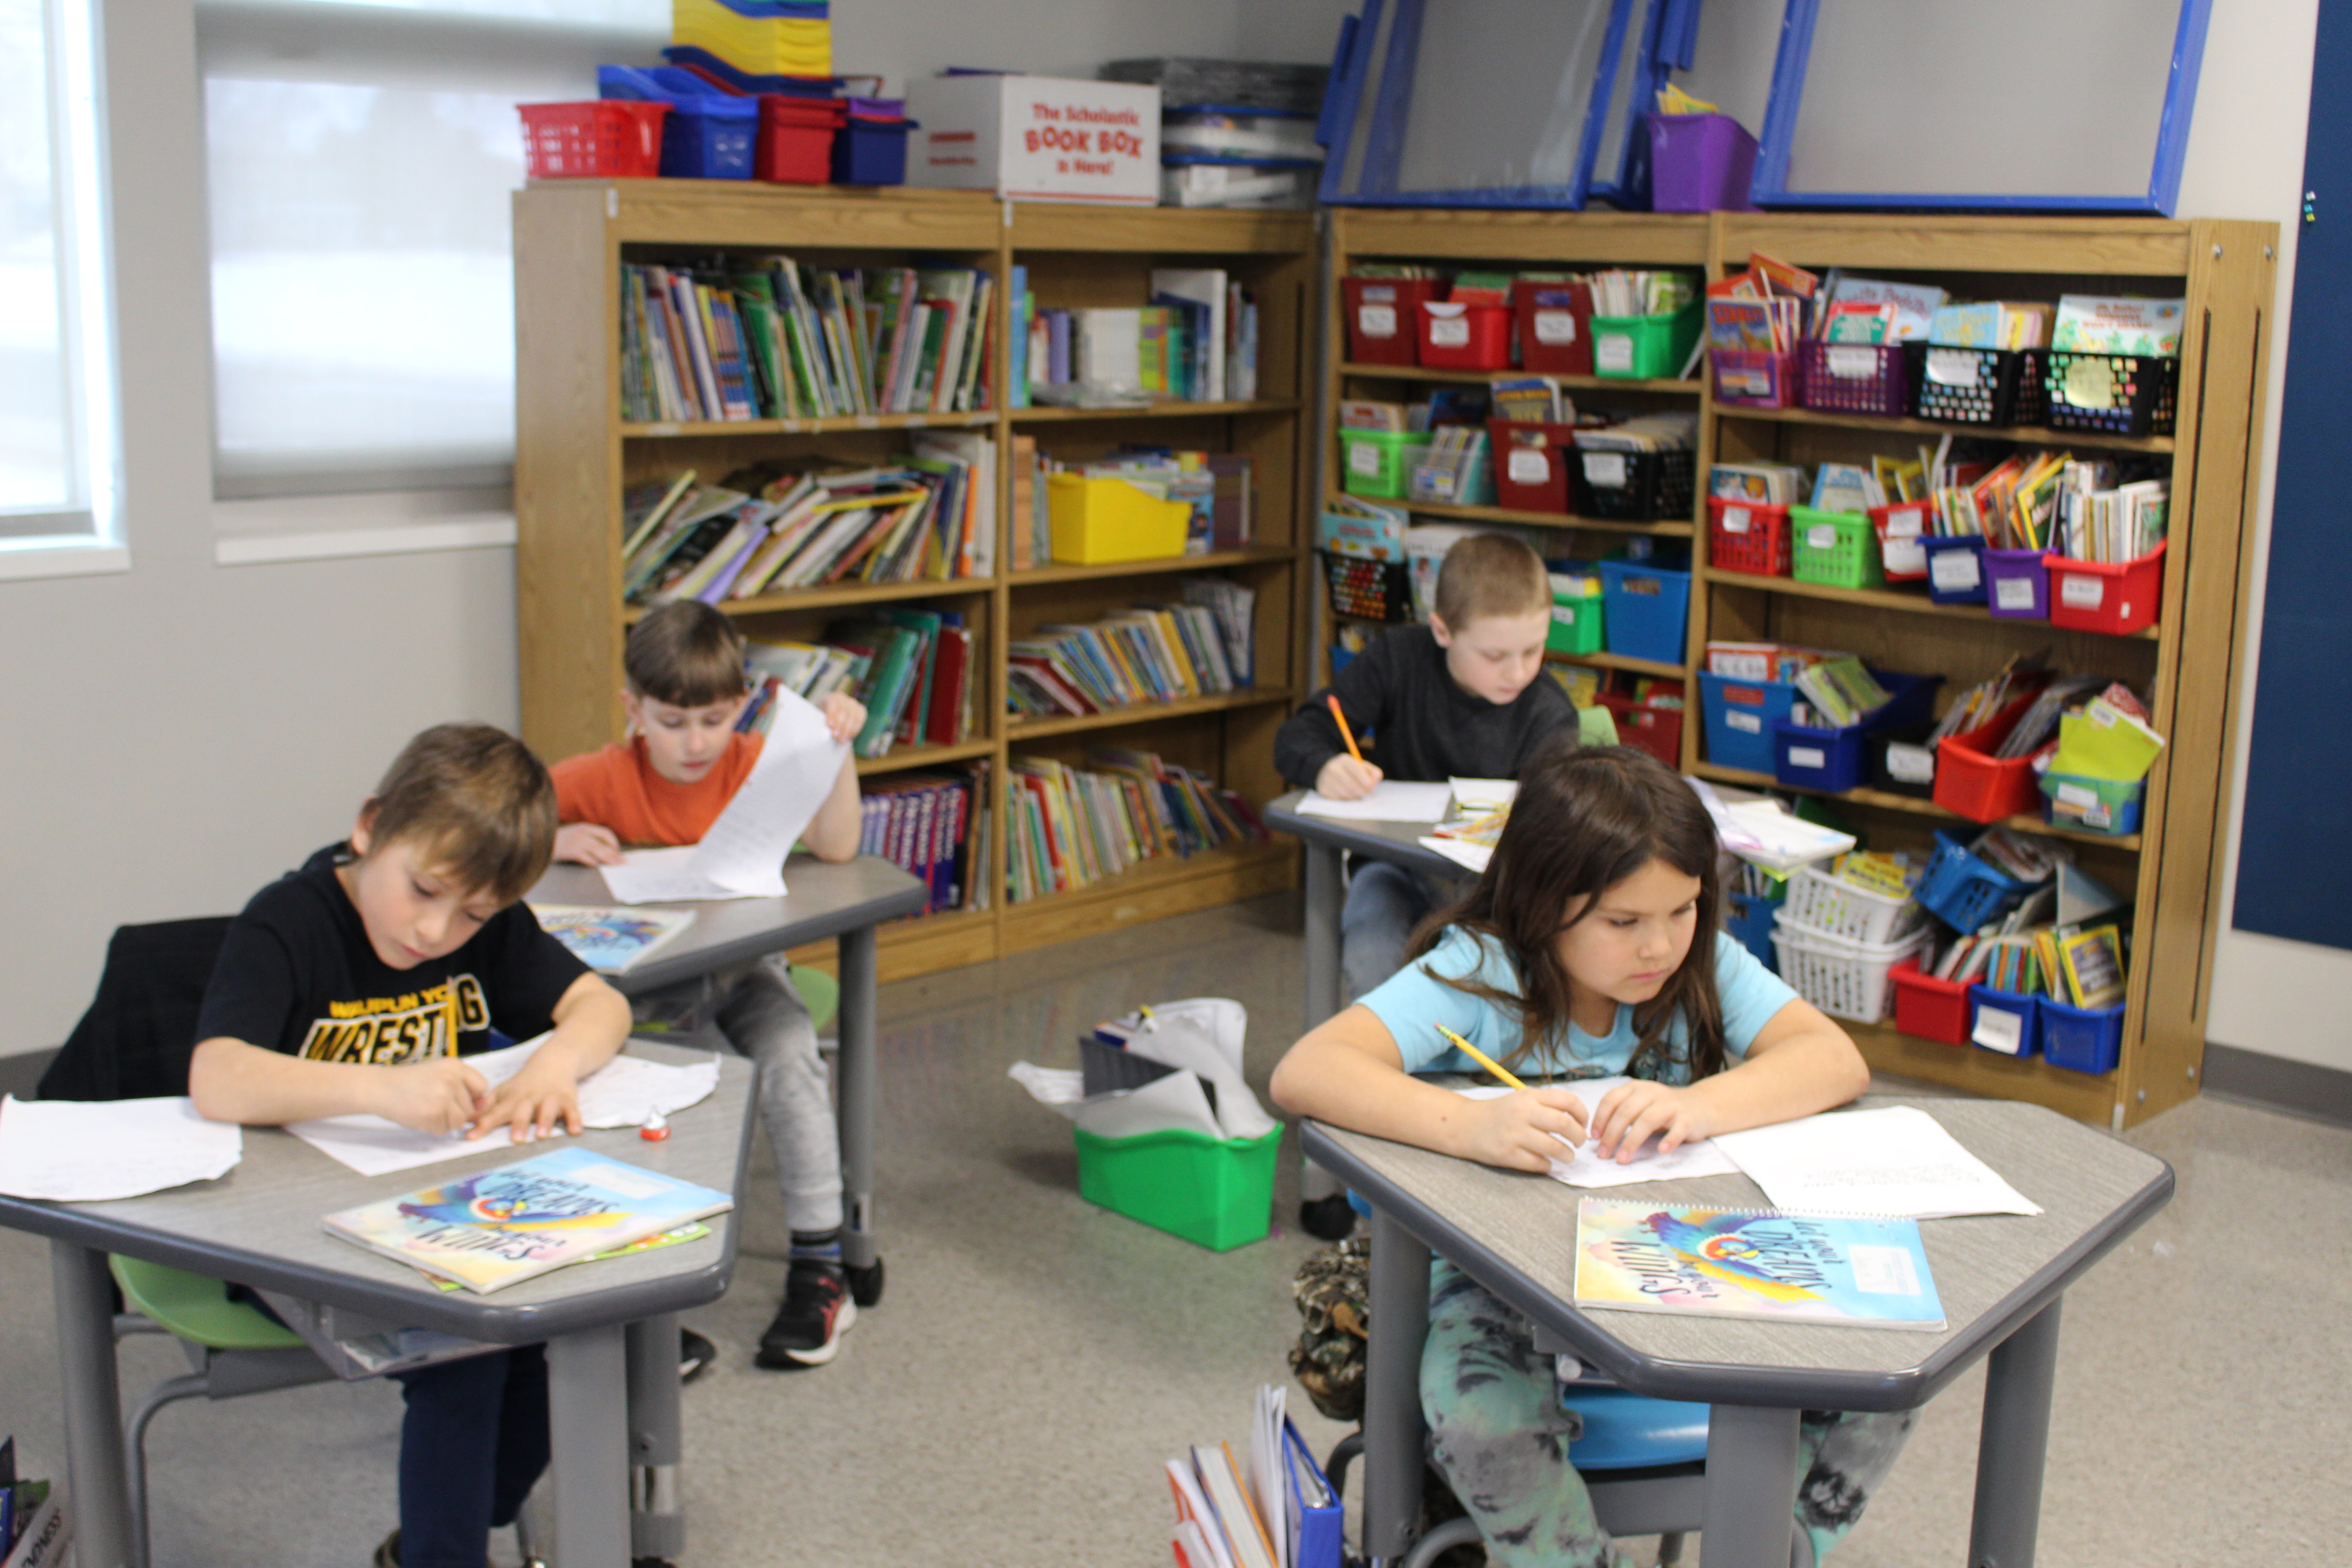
[56,479]
[361,159]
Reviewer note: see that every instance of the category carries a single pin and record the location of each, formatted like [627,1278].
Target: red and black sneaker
[808,1327]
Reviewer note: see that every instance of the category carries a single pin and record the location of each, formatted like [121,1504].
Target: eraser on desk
[656,1128]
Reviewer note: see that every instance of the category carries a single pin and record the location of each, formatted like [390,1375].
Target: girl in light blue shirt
[1589,948]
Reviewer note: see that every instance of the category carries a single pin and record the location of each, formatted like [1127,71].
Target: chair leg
[1670,1549]
[1335,1469]
[171,1390]
[1453,1532]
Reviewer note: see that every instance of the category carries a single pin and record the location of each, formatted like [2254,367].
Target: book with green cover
[1754,1263]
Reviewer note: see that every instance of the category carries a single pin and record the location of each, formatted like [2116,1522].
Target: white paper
[1484,795]
[623,1092]
[1191,1040]
[71,1151]
[1473,856]
[1583,1168]
[742,854]
[1390,801]
[1759,831]
[1272,1498]
[1897,1162]
[1176,1101]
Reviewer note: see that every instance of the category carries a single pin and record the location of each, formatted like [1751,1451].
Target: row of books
[1067,829]
[2080,968]
[935,826]
[1148,653]
[1277,1510]
[913,668]
[1196,341]
[772,339]
[929,516]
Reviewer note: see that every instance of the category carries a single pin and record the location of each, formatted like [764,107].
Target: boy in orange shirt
[665,785]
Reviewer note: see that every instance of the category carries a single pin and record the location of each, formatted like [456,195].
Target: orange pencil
[1345,733]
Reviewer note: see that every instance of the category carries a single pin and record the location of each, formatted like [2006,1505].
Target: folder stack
[758,38]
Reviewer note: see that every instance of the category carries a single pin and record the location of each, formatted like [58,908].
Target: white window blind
[360,161]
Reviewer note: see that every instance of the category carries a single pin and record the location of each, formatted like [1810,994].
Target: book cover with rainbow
[1754,1263]
[495,1229]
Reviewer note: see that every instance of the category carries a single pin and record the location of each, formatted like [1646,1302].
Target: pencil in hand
[1345,733]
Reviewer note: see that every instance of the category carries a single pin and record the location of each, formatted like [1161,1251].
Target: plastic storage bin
[1956,568]
[1465,336]
[1748,917]
[1746,536]
[1368,590]
[1447,484]
[1838,760]
[1216,1191]
[1739,716]
[1657,730]
[1576,620]
[1976,386]
[1700,164]
[1375,462]
[871,147]
[1644,348]
[1977,785]
[1632,487]
[1930,1008]
[1844,979]
[2080,1039]
[709,134]
[1839,549]
[2119,395]
[1531,464]
[1901,526]
[1649,607]
[1384,317]
[2093,596]
[1855,378]
[2009,1022]
[608,140]
[1963,891]
[2094,806]
[1093,520]
[2017,584]
[1555,322]
[796,139]
[1755,378]
[1837,908]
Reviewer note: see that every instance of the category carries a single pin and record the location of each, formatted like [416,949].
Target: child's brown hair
[478,799]
[1490,574]
[686,654]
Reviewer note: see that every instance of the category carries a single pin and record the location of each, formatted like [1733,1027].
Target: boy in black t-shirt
[359,984]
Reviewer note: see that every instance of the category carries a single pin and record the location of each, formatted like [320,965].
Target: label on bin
[2076,794]
[1907,556]
[1999,1030]
[1449,331]
[1527,466]
[1613,353]
[1748,723]
[1851,364]
[1952,367]
[1808,757]
[1905,522]
[1364,458]
[1821,536]
[1955,571]
[2013,593]
[2082,590]
[1431,481]
[1554,328]
[1376,321]
[1907,763]
[1564,614]
[1735,520]
[2090,384]
[1606,469]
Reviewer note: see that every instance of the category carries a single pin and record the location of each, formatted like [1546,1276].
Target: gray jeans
[1385,901]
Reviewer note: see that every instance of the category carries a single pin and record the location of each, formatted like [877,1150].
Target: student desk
[2000,1278]
[609,1403]
[820,900]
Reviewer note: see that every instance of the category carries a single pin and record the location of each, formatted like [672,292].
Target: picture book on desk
[496,1228]
[1754,1263]
[611,941]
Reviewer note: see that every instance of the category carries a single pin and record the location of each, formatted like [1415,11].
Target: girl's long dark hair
[1587,818]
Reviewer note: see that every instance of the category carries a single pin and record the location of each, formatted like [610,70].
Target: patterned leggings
[1502,1440]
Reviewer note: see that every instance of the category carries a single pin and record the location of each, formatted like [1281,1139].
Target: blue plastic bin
[1644,608]
[2082,1040]
[1740,716]
[1964,892]
[1839,760]
[707,135]
[871,148]
[2025,1008]
[1748,917]
[1955,572]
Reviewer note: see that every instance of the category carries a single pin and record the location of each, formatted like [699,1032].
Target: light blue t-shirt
[1412,1001]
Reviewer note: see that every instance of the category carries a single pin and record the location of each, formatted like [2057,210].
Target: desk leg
[1751,1486]
[657,1440]
[1323,899]
[98,1486]
[859,1249]
[588,1419]
[2018,1376]
[1398,1299]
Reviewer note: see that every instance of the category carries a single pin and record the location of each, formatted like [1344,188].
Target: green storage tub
[1646,348]
[1377,462]
[1219,1193]
[1839,549]
[1576,621]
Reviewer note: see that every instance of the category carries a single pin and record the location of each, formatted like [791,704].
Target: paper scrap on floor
[1478,797]
[1390,801]
[1469,855]
[1895,1162]
[72,1150]
[1583,1168]
[742,854]
[621,1093]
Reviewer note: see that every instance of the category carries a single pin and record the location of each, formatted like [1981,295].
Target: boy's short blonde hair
[686,654]
[1490,574]
[478,799]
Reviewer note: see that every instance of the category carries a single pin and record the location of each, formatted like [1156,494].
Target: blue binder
[1314,1506]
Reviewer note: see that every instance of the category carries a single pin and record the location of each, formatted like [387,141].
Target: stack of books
[912,668]
[1067,829]
[1196,341]
[935,826]
[1148,653]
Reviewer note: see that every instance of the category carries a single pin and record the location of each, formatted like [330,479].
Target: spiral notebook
[1754,1263]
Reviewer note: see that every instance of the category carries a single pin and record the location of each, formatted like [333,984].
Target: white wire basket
[1844,979]
[1834,907]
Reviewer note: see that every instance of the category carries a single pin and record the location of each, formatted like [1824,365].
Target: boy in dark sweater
[1462,697]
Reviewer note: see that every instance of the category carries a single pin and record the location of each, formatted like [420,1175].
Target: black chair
[135,1040]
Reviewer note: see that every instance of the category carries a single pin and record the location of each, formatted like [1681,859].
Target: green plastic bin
[1576,621]
[1643,348]
[1839,549]
[1217,1192]
[1377,462]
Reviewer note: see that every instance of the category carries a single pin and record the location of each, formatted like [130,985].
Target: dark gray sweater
[1423,727]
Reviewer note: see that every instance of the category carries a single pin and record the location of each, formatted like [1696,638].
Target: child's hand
[1631,1112]
[439,1094]
[534,1101]
[1522,1131]
[1345,778]
[843,715]
[587,844]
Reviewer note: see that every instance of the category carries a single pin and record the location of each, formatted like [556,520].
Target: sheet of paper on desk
[1893,1162]
[71,1150]
[621,1093]
[1583,1168]
[742,854]
[1390,801]
[1479,795]
[1473,856]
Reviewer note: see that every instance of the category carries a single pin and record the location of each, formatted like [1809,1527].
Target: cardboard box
[1036,138]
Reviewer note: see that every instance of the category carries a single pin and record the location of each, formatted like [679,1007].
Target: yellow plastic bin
[1095,519]
[1219,1193]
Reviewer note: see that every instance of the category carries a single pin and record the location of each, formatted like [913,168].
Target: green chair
[1596,726]
[821,991]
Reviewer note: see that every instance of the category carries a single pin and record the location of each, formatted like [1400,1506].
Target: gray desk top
[820,899]
[1395,841]
[1515,1234]
[259,1226]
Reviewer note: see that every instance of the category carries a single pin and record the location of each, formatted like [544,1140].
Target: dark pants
[474,1441]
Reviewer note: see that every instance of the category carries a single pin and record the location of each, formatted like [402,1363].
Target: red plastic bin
[1384,317]
[1657,730]
[606,138]
[2092,596]
[1465,336]
[796,135]
[1555,324]
[1748,536]
[1531,464]
[1981,787]
[1930,1008]
[1900,527]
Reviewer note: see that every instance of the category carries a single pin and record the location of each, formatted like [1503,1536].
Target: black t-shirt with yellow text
[297,974]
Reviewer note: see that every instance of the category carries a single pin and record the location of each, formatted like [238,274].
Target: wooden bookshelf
[2191,659]
[575,459]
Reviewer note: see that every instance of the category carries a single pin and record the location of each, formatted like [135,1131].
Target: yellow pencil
[1481,1057]
[1345,733]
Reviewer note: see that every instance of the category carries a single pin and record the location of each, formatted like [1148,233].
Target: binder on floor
[1313,1507]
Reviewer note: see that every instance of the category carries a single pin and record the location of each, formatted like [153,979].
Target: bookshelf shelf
[1669,528]
[2023,434]
[1165,884]
[1887,800]
[838,594]
[1171,410]
[1691,388]
[1252,555]
[1912,603]
[708,428]
[1020,730]
[1618,661]
[916,757]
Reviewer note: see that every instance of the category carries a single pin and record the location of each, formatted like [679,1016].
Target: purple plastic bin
[2017,584]
[1752,378]
[1700,164]
[1855,378]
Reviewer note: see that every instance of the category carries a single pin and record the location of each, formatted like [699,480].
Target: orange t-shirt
[616,787]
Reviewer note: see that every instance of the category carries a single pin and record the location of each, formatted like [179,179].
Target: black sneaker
[695,1354]
[808,1327]
[388,1554]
